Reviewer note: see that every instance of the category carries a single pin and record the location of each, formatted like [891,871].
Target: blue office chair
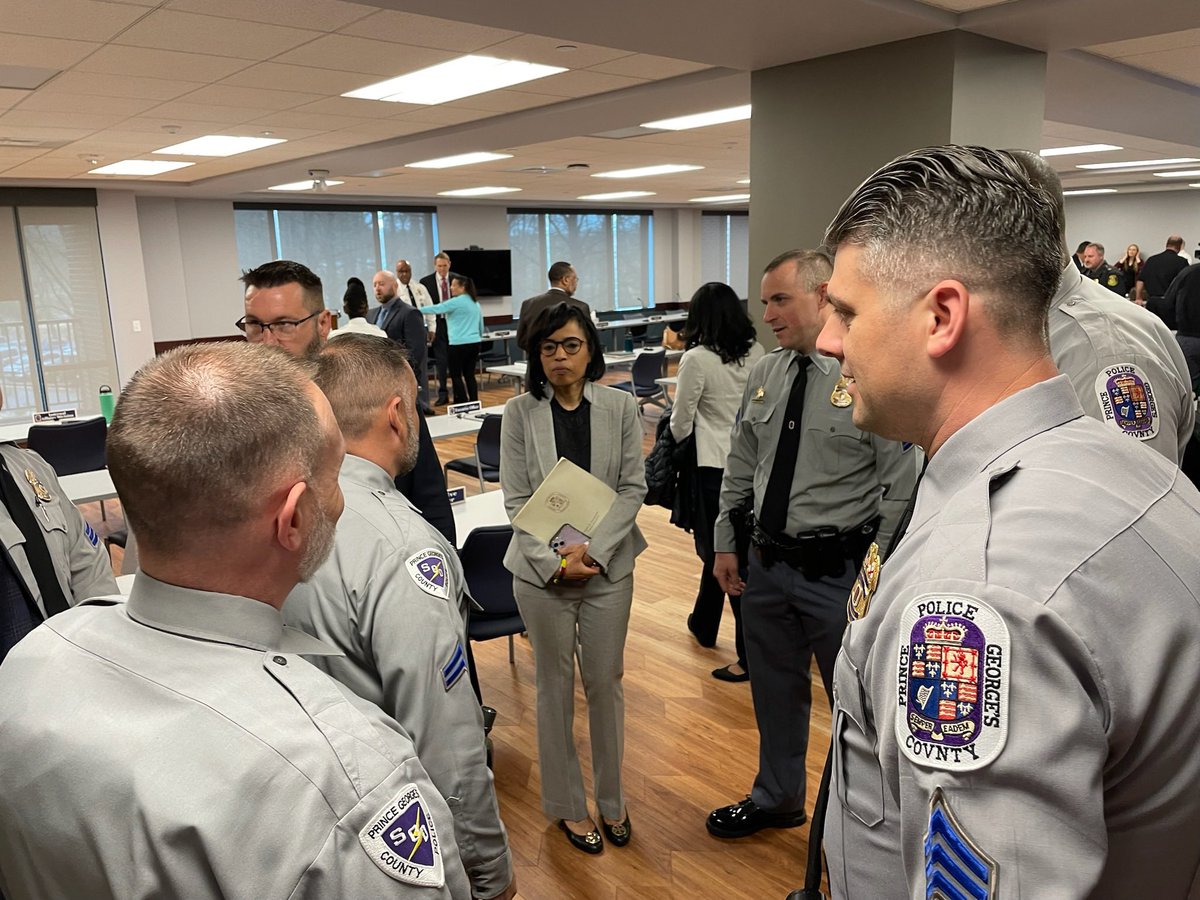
[485,464]
[646,368]
[491,585]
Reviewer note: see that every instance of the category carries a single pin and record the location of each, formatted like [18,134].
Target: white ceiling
[129,77]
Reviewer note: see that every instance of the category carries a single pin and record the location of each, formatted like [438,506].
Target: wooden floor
[690,744]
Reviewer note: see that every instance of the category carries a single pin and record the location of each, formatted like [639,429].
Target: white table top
[442,427]
[611,361]
[478,510]
[85,487]
[19,431]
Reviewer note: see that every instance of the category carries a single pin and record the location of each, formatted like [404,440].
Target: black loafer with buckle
[588,843]
[745,818]
[618,835]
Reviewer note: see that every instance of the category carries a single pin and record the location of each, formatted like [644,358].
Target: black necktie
[906,516]
[411,296]
[773,518]
[36,550]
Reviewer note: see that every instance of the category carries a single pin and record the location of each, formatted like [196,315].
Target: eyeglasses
[283,328]
[572,345]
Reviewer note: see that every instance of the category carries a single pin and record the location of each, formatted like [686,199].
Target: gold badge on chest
[759,396]
[841,396]
[39,489]
[864,585]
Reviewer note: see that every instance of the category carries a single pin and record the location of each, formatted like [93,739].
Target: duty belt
[819,553]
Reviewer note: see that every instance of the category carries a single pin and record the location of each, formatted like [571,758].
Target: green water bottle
[107,403]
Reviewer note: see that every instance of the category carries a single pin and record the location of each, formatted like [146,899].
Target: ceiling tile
[538,49]
[169,64]
[169,30]
[641,65]
[359,109]
[84,20]
[443,115]
[359,54]
[306,117]
[503,101]
[24,50]
[257,98]
[211,114]
[1157,43]
[42,167]
[425,31]
[281,77]
[44,132]
[579,84]
[89,83]
[317,15]
[32,118]
[69,104]
[962,6]
[8,97]
[1182,64]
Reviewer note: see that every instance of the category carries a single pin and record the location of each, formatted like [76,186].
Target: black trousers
[440,351]
[463,358]
[710,599]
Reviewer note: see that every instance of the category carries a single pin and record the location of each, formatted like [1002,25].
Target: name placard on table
[462,409]
[54,415]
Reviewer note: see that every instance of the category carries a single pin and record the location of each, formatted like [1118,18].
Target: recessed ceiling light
[219,145]
[700,120]
[1080,193]
[1190,173]
[477,191]
[303,185]
[140,167]
[1081,148]
[668,169]
[462,159]
[723,198]
[744,181]
[462,77]
[1139,163]
[617,195]
[1194,185]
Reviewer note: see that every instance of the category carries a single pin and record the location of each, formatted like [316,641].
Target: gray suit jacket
[527,454]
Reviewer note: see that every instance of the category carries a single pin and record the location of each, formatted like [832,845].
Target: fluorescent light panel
[462,159]
[302,185]
[723,198]
[701,120]
[220,145]
[1081,148]
[617,195]
[477,191]
[1139,163]
[744,181]
[1080,193]
[667,169]
[140,167]
[453,80]
[1190,173]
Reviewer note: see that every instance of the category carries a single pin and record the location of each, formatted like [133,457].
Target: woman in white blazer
[720,351]
[581,592]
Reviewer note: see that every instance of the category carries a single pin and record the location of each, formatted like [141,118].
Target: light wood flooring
[690,743]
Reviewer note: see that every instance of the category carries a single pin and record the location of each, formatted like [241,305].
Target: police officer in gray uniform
[1015,698]
[1127,369]
[820,490]
[52,558]
[179,745]
[392,598]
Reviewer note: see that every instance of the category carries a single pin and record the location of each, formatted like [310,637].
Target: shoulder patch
[93,538]
[955,866]
[1127,401]
[427,568]
[952,711]
[402,840]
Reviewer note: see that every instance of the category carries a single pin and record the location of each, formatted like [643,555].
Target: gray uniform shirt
[177,746]
[80,561]
[1019,697]
[1124,364]
[843,476]
[390,597]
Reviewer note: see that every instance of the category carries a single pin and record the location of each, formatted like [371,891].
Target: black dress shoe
[699,640]
[588,843]
[745,818]
[723,674]
[618,835]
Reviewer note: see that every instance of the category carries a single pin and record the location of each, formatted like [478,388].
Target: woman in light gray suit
[583,591]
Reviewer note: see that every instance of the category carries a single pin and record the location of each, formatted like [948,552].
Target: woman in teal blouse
[464,324]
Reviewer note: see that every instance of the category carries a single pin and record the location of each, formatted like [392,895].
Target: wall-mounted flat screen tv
[491,270]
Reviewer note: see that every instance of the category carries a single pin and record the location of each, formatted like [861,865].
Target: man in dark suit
[404,324]
[563,282]
[438,285]
[1156,276]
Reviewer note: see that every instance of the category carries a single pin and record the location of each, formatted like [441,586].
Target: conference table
[87,487]
[606,325]
[18,432]
[613,360]
[477,511]
[451,426]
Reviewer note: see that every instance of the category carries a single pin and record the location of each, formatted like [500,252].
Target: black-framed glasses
[283,328]
[572,345]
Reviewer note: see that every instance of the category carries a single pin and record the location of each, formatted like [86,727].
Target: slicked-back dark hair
[559,271]
[717,321]
[971,214]
[549,321]
[285,271]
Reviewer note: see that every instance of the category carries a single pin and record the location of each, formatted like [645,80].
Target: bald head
[385,286]
[1175,242]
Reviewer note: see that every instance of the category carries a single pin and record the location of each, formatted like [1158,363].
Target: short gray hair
[1099,247]
[204,432]
[815,266]
[360,373]
[971,214]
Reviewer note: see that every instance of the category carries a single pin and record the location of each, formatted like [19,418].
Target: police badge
[841,395]
[864,585]
[1127,401]
[39,489]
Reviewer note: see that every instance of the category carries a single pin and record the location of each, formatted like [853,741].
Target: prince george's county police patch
[952,672]
[428,571]
[403,842]
[1127,401]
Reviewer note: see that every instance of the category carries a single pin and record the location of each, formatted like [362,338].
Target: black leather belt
[821,552]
